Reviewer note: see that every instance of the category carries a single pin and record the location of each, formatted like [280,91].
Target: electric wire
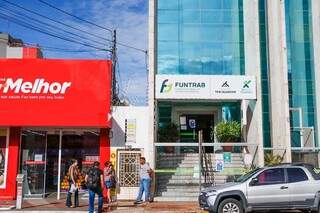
[74,16]
[16,13]
[56,21]
[109,40]
[29,26]
[89,22]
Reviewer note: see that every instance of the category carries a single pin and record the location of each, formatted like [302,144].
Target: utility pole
[114,65]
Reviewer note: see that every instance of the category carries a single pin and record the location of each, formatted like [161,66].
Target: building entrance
[46,157]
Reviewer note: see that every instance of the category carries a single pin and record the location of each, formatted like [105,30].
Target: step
[179,189]
[177,199]
[177,194]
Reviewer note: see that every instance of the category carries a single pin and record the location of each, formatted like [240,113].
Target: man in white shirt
[145,181]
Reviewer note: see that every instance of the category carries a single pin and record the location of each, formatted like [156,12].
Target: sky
[128,17]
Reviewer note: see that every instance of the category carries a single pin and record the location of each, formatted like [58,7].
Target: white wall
[141,114]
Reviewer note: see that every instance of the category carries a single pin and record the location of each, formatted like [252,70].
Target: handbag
[73,188]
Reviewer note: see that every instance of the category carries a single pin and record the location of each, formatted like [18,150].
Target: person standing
[94,182]
[73,188]
[109,178]
[145,181]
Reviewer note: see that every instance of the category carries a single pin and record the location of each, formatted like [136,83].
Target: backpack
[93,181]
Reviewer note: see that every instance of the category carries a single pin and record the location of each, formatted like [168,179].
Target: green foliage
[168,133]
[228,131]
[270,159]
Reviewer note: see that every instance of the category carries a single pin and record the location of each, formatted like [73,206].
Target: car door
[269,190]
[302,190]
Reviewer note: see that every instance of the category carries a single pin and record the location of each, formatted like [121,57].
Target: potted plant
[168,133]
[228,132]
[270,159]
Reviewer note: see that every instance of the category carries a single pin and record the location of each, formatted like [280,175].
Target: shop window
[129,163]
[3,157]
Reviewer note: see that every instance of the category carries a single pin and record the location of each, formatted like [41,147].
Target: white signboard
[130,130]
[213,87]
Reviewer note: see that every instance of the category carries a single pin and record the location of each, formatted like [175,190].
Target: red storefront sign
[42,92]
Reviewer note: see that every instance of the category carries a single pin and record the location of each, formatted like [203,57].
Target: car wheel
[316,211]
[230,205]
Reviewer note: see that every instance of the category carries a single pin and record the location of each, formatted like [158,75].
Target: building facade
[274,41]
[44,126]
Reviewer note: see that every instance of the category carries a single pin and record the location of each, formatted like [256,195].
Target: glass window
[202,24]
[190,16]
[189,4]
[168,16]
[296,175]
[211,4]
[168,32]
[190,32]
[168,4]
[271,176]
[168,59]
[211,16]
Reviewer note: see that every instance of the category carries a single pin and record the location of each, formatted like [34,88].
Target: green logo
[246,84]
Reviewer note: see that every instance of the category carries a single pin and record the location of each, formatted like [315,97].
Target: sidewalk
[52,206]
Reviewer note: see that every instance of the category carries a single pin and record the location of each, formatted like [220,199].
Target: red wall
[104,151]
[9,193]
[104,147]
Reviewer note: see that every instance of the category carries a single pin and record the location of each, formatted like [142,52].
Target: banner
[42,92]
[3,157]
[211,87]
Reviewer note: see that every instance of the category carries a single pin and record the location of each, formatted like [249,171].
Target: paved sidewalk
[52,206]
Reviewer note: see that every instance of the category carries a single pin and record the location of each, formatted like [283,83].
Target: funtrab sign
[213,87]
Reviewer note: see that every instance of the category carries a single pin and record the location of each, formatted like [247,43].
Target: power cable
[29,26]
[49,48]
[15,13]
[109,40]
[89,22]
[74,16]
[59,22]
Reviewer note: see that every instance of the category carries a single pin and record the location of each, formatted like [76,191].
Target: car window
[315,172]
[296,175]
[271,176]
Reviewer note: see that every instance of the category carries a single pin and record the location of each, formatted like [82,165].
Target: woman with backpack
[73,188]
[109,178]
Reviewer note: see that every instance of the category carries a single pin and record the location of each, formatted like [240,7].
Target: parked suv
[287,186]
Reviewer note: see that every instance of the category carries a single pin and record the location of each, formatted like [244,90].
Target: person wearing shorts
[109,177]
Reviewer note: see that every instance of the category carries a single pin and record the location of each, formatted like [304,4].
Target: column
[278,78]
[151,77]
[253,109]
[315,5]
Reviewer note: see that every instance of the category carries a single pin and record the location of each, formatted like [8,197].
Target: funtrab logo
[165,88]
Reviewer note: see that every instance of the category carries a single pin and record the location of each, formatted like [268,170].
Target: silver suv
[287,186]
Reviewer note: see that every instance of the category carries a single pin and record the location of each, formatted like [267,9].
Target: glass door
[33,162]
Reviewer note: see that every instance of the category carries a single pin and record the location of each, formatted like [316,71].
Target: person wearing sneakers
[145,181]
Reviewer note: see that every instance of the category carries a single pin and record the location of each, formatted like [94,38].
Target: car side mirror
[254,181]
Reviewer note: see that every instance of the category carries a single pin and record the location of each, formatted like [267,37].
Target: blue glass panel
[168,32]
[212,16]
[168,16]
[168,57]
[190,16]
[211,32]
[190,32]
[168,4]
[211,4]
[189,4]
